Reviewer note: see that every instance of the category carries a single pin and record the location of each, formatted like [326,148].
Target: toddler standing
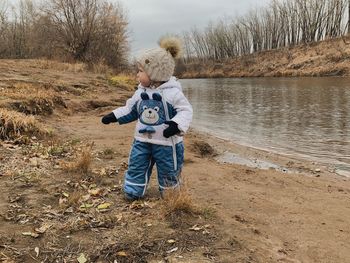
[163,116]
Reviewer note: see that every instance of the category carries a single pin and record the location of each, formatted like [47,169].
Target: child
[164,115]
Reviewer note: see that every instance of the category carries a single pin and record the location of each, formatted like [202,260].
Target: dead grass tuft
[14,125]
[204,149]
[33,99]
[100,68]
[83,162]
[74,199]
[60,66]
[178,201]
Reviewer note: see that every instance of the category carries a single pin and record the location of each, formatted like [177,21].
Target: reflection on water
[305,116]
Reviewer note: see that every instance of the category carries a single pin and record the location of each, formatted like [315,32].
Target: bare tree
[3,24]
[3,10]
[74,22]
[109,43]
[282,23]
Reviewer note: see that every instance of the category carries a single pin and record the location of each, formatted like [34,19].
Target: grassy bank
[326,58]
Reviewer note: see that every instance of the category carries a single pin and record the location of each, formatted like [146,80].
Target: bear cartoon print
[151,112]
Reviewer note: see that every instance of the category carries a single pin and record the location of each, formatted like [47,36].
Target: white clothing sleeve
[184,112]
[128,113]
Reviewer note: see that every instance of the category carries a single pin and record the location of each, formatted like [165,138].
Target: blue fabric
[147,129]
[171,110]
[142,158]
[132,116]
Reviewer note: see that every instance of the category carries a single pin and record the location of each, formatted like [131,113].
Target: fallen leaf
[82,258]
[95,192]
[36,249]
[171,241]
[104,206]
[205,232]
[65,194]
[172,250]
[85,206]
[62,201]
[85,198]
[137,204]
[149,204]
[195,228]
[69,210]
[31,234]
[103,172]
[42,229]
[91,186]
[122,254]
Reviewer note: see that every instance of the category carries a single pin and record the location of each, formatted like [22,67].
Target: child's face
[142,77]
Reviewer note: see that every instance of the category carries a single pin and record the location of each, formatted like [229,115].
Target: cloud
[150,19]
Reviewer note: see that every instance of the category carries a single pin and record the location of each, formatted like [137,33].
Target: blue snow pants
[141,160]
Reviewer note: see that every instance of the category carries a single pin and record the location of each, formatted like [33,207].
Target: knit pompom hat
[159,63]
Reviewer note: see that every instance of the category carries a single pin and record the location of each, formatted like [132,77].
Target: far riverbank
[326,58]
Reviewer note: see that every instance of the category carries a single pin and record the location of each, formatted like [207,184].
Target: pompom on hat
[159,63]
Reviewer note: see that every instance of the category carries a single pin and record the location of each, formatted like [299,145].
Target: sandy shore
[300,216]
[263,215]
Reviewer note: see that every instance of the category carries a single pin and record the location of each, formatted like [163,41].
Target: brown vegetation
[286,38]
[81,163]
[178,201]
[281,24]
[15,125]
[325,58]
[92,31]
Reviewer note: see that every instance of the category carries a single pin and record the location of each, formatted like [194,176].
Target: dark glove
[171,130]
[107,119]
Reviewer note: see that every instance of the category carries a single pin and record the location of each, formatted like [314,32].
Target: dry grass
[82,163]
[60,66]
[100,68]
[14,125]
[97,68]
[33,99]
[124,81]
[177,201]
[325,58]
[74,199]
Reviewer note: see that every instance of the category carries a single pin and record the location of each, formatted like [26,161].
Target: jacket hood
[172,83]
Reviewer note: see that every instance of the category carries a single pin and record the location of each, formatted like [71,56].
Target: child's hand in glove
[171,130]
[107,119]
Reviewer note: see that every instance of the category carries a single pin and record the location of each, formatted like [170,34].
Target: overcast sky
[150,19]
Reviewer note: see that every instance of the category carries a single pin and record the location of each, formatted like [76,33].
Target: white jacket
[152,110]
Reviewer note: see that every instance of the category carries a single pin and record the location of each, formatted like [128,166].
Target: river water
[304,117]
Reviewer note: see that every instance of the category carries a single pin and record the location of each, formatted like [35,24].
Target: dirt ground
[50,211]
